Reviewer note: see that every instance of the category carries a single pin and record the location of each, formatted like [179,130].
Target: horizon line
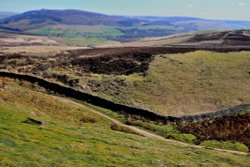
[123,15]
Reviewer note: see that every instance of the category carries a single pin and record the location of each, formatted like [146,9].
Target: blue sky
[214,9]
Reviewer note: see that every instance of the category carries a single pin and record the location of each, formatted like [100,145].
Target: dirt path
[146,133]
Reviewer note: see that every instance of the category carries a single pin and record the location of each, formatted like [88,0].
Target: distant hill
[129,28]
[199,38]
[4,15]
[35,19]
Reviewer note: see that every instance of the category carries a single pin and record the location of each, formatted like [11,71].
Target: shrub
[167,131]
[231,145]
[183,137]
[122,129]
[87,119]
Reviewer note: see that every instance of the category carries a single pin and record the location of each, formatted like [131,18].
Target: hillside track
[145,133]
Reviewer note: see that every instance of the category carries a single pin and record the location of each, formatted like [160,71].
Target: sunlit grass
[64,141]
[191,83]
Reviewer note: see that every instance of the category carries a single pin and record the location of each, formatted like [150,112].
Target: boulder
[33,121]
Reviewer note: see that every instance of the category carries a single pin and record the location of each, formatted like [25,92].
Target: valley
[80,88]
[131,71]
[167,81]
[76,27]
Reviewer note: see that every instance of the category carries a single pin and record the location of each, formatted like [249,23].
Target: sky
[212,9]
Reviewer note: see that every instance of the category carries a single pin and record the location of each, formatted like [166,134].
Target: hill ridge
[39,18]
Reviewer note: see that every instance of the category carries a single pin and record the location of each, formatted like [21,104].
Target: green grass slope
[175,84]
[182,84]
[68,138]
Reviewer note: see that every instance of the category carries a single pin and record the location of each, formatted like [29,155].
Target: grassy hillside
[181,84]
[175,84]
[73,136]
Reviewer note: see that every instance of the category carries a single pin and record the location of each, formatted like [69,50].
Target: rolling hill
[80,88]
[212,38]
[169,81]
[72,135]
[130,28]
[4,15]
[64,17]
[199,73]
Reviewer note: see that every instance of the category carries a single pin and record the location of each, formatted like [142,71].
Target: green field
[79,35]
[164,27]
[85,35]
[77,31]
[73,136]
